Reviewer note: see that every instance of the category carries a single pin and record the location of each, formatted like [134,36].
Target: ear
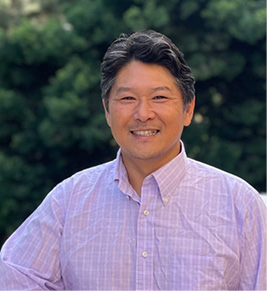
[189,112]
[107,115]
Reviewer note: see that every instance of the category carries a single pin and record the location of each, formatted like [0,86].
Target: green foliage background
[52,121]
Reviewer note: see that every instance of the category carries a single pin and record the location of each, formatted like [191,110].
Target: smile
[144,132]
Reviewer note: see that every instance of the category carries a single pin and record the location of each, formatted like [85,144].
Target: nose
[144,111]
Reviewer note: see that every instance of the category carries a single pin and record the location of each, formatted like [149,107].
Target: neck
[139,169]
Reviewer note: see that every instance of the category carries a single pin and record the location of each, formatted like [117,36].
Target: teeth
[145,132]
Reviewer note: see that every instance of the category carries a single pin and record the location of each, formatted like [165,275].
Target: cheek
[174,118]
[115,119]
[113,116]
[175,126]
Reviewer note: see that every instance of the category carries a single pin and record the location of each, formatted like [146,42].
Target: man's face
[146,113]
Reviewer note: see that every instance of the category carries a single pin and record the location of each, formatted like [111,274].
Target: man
[152,219]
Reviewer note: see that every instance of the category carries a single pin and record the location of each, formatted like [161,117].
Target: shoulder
[225,191]
[221,184]
[89,177]
[82,183]
[210,174]
[82,188]
[93,172]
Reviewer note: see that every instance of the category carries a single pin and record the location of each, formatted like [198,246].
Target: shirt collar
[170,175]
[167,177]
[121,176]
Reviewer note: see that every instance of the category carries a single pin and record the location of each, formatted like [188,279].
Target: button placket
[146,212]
[145,236]
[144,254]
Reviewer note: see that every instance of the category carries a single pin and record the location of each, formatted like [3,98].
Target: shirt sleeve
[253,258]
[30,257]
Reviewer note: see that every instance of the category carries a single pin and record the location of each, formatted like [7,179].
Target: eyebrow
[153,90]
[162,88]
[124,89]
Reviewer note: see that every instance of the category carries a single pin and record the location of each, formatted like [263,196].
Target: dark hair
[147,47]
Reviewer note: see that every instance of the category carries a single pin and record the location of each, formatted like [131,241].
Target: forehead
[137,74]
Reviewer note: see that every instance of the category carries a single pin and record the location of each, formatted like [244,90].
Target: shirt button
[165,200]
[146,212]
[144,254]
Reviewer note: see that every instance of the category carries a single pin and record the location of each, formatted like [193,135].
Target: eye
[128,98]
[160,97]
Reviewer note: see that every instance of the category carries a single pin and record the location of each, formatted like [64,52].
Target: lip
[144,132]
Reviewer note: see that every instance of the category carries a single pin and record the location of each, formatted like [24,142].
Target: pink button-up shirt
[193,228]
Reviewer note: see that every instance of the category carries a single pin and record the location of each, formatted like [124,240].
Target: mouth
[144,132]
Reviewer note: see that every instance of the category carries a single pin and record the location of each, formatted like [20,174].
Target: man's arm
[253,260]
[30,257]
